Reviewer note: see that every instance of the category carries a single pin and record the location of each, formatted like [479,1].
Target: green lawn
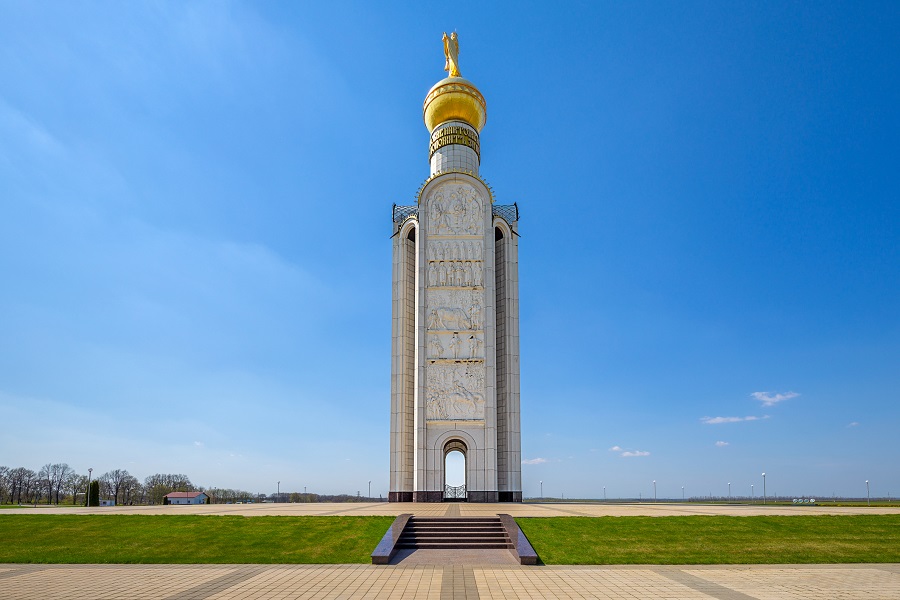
[188,539]
[714,540]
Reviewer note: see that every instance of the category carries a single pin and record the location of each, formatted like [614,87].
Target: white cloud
[770,399]
[533,461]
[853,424]
[198,444]
[718,420]
[630,453]
[721,444]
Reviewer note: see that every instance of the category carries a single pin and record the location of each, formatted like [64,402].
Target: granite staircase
[452,533]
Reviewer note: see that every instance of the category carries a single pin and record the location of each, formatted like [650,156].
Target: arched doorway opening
[455,471]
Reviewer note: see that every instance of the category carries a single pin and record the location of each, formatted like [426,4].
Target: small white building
[187,498]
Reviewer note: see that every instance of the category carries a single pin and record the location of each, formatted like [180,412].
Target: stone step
[455,545]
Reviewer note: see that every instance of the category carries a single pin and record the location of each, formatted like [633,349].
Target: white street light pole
[682,493]
[764,488]
[751,493]
[604,492]
[654,490]
[868,498]
[88,499]
[278,495]
[729,490]
[542,488]
[370,490]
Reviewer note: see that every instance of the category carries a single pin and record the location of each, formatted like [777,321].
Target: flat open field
[715,540]
[180,539]
[194,539]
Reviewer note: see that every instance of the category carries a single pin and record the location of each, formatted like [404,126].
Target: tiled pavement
[194,582]
[437,509]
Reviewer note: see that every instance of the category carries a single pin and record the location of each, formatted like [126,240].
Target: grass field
[174,539]
[87,539]
[714,539]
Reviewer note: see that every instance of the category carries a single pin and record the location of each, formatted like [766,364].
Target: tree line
[59,483]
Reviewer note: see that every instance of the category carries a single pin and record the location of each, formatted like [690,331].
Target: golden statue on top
[451,52]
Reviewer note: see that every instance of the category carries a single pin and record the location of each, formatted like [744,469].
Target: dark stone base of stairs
[454,533]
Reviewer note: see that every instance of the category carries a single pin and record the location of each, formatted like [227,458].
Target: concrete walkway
[660,509]
[190,582]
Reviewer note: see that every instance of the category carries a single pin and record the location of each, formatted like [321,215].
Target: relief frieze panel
[455,392]
[454,310]
[455,346]
[455,273]
[455,209]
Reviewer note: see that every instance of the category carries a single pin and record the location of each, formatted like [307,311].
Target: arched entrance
[455,471]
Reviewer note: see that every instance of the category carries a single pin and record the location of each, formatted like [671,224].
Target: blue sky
[195,260]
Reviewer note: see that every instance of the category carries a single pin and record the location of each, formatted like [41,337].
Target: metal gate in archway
[455,493]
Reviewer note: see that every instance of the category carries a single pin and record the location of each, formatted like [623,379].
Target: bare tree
[75,484]
[113,481]
[129,488]
[21,484]
[61,472]
[4,483]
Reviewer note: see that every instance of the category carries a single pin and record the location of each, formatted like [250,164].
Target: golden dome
[454,99]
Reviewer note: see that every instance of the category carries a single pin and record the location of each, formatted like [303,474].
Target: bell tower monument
[455,315]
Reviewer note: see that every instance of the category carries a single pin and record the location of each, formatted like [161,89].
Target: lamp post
[604,492]
[682,493]
[764,488]
[751,493]
[278,495]
[88,499]
[542,488]
[370,490]
[654,490]
[868,498]
[729,491]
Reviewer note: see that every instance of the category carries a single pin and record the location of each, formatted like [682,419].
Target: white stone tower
[455,349]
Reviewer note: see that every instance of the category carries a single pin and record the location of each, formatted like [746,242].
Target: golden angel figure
[451,52]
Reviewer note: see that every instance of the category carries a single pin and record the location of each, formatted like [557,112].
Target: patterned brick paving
[440,582]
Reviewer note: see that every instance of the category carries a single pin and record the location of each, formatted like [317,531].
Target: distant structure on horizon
[455,311]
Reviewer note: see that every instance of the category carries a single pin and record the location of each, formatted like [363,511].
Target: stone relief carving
[461,346]
[455,392]
[454,250]
[454,310]
[456,210]
[455,273]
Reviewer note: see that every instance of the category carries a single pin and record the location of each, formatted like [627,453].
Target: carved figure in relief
[469,251]
[468,274]
[454,345]
[434,322]
[457,274]
[477,250]
[437,350]
[474,345]
[477,275]
[475,315]
[432,275]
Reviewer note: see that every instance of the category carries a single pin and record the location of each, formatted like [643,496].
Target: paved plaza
[464,509]
[193,582]
[454,576]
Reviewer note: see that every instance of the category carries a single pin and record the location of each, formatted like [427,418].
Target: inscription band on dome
[462,136]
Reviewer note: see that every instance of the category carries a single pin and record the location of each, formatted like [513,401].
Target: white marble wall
[444,389]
